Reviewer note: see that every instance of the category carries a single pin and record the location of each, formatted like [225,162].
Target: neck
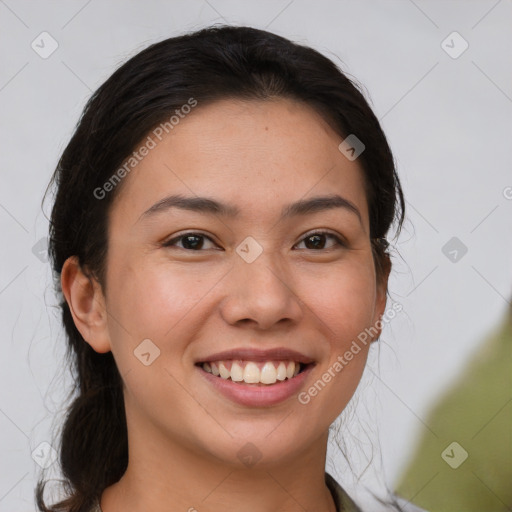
[165,476]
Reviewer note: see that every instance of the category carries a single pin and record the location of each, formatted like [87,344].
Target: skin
[183,435]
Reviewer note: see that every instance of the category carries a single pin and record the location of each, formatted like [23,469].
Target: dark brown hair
[214,63]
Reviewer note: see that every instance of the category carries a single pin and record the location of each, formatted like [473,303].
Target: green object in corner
[468,466]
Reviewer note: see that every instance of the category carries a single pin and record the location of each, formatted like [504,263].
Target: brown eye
[317,241]
[189,241]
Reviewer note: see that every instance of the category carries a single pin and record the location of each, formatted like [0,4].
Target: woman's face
[254,289]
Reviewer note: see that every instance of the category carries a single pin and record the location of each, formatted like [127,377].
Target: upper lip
[274,354]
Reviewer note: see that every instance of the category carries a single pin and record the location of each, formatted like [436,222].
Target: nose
[261,294]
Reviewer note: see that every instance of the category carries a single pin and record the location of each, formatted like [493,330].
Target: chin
[261,446]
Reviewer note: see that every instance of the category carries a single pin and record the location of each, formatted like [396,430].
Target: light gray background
[449,124]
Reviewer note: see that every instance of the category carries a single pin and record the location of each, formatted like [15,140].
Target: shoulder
[407,506]
[342,500]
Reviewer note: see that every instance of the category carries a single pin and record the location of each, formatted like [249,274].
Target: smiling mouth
[261,373]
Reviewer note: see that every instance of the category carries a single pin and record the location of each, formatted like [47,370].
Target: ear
[381,296]
[86,302]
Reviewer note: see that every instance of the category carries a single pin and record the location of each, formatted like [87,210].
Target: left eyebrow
[318,204]
[212,207]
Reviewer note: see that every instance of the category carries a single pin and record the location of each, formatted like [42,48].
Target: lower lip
[257,395]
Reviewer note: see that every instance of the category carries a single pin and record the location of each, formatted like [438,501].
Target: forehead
[251,154]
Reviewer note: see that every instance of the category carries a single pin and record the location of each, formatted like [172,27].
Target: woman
[218,234]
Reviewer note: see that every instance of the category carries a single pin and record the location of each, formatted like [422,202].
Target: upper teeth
[253,373]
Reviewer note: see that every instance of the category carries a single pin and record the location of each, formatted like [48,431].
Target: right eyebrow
[196,204]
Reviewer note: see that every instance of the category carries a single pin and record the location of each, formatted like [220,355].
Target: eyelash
[338,241]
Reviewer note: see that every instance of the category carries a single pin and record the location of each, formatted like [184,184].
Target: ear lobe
[86,302]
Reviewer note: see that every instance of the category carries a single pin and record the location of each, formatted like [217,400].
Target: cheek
[344,300]
[345,305]
[157,302]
